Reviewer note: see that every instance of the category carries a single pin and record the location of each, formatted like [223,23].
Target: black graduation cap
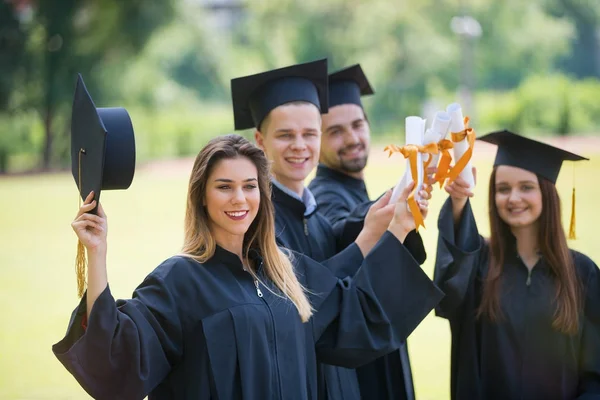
[102,155]
[348,85]
[254,96]
[537,157]
[531,155]
[102,145]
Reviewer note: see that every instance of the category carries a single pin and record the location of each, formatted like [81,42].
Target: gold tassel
[572,235]
[80,266]
[80,259]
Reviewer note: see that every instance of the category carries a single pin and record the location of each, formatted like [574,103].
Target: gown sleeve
[348,226]
[333,206]
[589,381]
[128,347]
[345,263]
[346,231]
[362,318]
[459,253]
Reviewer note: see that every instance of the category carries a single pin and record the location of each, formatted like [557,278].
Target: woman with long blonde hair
[523,308]
[234,316]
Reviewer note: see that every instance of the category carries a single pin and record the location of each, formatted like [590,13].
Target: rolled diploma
[457,124]
[415,127]
[438,131]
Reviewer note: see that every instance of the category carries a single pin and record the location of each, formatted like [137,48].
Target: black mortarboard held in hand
[537,157]
[348,85]
[254,96]
[102,154]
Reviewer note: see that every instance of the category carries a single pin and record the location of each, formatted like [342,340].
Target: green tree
[408,48]
[68,36]
[583,59]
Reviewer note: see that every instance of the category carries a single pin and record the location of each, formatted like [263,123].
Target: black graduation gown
[312,235]
[344,201]
[522,356]
[203,331]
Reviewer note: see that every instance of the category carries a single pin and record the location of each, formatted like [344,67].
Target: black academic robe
[521,356]
[210,331]
[344,201]
[313,236]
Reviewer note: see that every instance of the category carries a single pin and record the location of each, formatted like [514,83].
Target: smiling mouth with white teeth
[236,215]
[296,160]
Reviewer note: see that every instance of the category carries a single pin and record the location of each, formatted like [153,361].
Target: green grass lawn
[37,253]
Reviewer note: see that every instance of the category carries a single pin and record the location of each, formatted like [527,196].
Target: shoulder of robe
[586,267]
[176,270]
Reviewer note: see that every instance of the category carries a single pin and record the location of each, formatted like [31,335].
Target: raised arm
[460,249]
[91,230]
[348,229]
[367,316]
[118,349]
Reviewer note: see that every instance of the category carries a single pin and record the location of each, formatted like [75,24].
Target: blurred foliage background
[530,66]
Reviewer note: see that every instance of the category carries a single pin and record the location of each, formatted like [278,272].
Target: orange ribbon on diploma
[410,152]
[460,165]
[444,147]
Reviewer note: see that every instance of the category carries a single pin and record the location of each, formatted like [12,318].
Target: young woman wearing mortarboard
[234,316]
[524,309]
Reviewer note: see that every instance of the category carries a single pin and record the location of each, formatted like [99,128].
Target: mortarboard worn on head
[254,96]
[537,157]
[102,153]
[348,85]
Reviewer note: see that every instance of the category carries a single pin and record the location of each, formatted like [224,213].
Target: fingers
[406,192]
[88,204]
[90,217]
[101,212]
[86,208]
[382,201]
[425,193]
[459,181]
[458,191]
[89,198]
[85,224]
[475,175]
[388,210]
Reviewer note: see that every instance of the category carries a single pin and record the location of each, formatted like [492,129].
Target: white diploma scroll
[438,131]
[457,124]
[415,128]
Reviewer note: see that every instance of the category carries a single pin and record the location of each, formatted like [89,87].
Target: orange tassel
[572,235]
[80,266]
[80,259]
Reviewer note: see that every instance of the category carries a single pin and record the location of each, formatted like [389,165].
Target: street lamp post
[468,30]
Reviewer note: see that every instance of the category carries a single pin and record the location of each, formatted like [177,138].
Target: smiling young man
[284,106]
[340,191]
